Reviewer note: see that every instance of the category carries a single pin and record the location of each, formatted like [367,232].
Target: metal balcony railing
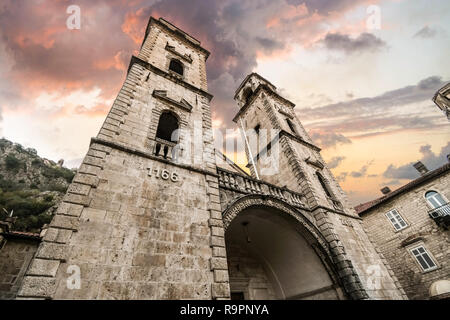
[441,215]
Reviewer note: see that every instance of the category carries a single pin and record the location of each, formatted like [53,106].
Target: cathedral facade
[154,212]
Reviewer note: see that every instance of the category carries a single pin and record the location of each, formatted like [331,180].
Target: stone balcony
[165,149]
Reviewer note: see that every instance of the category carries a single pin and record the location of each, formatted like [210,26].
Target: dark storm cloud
[328,139]
[47,56]
[356,174]
[361,172]
[234,31]
[343,42]
[269,44]
[429,159]
[379,114]
[373,124]
[426,33]
[335,162]
[423,90]
[326,6]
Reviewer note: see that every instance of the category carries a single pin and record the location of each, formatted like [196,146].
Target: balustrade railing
[248,185]
[165,149]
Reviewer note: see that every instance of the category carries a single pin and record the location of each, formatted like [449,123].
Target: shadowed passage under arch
[271,255]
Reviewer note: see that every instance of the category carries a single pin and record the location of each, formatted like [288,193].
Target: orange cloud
[289,12]
[133,25]
[116,62]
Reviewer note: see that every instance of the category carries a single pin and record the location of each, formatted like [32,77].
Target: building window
[424,259]
[324,184]
[176,66]
[291,126]
[257,128]
[167,127]
[269,148]
[247,94]
[396,220]
[435,199]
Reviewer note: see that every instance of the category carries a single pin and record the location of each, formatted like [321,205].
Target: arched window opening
[435,199]
[248,92]
[323,184]
[167,125]
[291,126]
[176,66]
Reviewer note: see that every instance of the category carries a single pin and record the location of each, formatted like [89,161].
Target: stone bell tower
[141,219]
[296,164]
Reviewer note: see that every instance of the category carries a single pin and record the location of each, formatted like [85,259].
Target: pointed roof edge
[367,206]
[245,80]
[176,31]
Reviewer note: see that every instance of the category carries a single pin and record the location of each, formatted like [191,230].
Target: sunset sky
[363,94]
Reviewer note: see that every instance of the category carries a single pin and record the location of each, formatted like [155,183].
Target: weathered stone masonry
[136,224]
[131,235]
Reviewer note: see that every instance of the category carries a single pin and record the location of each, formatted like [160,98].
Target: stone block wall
[393,245]
[298,162]
[373,270]
[15,257]
[132,236]
[248,275]
[135,225]
[154,51]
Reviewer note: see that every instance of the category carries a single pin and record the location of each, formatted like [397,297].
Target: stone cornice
[286,114]
[260,181]
[173,30]
[181,56]
[124,148]
[161,95]
[315,163]
[168,76]
[298,139]
[335,211]
[266,89]
[248,77]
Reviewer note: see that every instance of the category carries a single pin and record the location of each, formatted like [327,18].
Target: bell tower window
[291,126]
[176,66]
[167,126]
[323,184]
[247,94]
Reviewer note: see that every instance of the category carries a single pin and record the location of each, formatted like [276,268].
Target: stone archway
[275,252]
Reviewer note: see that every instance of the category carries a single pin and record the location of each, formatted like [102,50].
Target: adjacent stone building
[154,212]
[410,227]
[442,99]
[16,252]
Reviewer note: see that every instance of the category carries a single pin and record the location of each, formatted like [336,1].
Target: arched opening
[291,126]
[324,185]
[176,66]
[435,199]
[167,127]
[272,256]
[247,94]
